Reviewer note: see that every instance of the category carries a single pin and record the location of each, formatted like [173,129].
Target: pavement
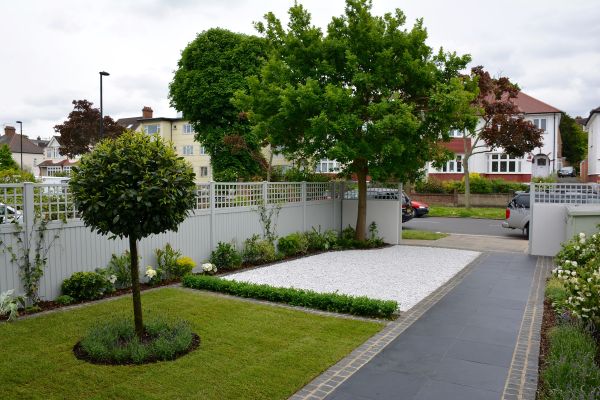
[467,226]
[477,337]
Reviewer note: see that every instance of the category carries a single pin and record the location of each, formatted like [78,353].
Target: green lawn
[247,351]
[422,235]
[462,212]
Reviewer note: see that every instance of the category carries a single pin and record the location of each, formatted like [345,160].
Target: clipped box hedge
[340,303]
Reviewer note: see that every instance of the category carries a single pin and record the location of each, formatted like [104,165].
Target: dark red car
[419,208]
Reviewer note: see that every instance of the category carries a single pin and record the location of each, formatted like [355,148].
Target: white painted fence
[224,212]
[548,223]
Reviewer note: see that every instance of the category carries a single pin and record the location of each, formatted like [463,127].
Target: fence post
[400,201]
[212,214]
[265,193]
[303,206]
[342,194]
[332,195]
[532,189]
[28,214]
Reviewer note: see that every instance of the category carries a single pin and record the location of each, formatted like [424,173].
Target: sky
[52,51]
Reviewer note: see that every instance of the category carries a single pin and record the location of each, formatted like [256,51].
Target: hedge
[340,303]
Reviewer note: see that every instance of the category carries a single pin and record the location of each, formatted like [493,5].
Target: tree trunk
[361,217]
[135,288]
[467,183]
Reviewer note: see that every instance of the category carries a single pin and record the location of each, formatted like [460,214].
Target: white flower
[582,235]
[112,279]
[150,273]
[573,273]
[208,267]
[574,263]
[582,241]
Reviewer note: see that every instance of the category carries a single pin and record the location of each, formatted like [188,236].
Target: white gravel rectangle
[406,274]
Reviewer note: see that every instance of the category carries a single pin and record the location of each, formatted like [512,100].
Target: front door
[541,166]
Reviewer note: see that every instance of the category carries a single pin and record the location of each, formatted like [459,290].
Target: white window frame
[52,169]
[456,133]
[541,123]
[326,166]
[504,161]
[203,170]
[454,166]
[187,150]
[147,129]
[188,129]
[202,150]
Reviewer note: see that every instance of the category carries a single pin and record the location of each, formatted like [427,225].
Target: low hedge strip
[340,303]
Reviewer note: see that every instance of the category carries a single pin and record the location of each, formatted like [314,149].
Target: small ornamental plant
[580,276]
[132,187]
[209,268]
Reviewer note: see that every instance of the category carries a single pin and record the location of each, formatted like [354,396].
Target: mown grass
[473,212]
[247,351]
[422,235]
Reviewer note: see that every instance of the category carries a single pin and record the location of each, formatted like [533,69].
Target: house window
[188,129]
[152,129]
[325,166]
[49,153]
[51,171]
[455,165]
[202,150]
[502,163]
[188,150]
[67,170]
[203,171]
[456,133]
[52,152]
[540,123]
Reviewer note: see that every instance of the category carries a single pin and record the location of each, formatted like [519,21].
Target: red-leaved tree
[81,131]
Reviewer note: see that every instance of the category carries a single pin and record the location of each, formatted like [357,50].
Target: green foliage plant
[267,216]
[65,300]
[116,342]
[7,162]
[226,257]
[258,251]
[15,176]
[334,302]
[10,304]
[293,244]
[31,264]
[570,371]
[574,140]
[133,186]
[320,241]
[369,93]
[166,261]
[183,266]
[120,267]
[86,286]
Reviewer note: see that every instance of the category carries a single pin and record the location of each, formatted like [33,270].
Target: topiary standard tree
[133,186]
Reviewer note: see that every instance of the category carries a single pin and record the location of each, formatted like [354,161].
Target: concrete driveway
[467,226]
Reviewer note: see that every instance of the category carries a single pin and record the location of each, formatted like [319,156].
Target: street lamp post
[21,131]
[102,73]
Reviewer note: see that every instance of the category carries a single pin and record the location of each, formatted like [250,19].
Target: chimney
[147,112]
[10,131]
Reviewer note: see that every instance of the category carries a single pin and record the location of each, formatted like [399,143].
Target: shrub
[65,300]
[579,271]
[430,186]
[166,262]
[318,241]
[183,266]
[226,257]
[120,267]
[374,239]
[570,371]
[555,291]
[293,244]
[10,304]
[334,302]
[115,342]
[86,286]
[257,250]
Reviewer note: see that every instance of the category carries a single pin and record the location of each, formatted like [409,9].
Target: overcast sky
[52,51]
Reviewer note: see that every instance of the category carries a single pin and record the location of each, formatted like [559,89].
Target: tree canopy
[133,186]
[211,69]
[81,131]
[500,125]
[574,140]
[6,159]
[370,93]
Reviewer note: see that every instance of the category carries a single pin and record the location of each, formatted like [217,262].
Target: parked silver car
[9,214]
[518,214]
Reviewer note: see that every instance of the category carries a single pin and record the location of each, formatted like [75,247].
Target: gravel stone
[406,274]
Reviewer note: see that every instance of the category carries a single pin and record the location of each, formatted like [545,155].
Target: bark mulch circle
[80,354]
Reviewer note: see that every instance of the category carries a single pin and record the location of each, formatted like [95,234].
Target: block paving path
[477,337]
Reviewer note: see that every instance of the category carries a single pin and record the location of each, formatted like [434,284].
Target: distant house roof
[594,111]
[581,121]
[39,142]
[531,105]
[129,123]
[61,163]
[13,140]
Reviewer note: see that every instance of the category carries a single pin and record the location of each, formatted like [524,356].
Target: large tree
[500,123]
[6,159]
[81,131]
[211,69]
[574,140]
[370,94]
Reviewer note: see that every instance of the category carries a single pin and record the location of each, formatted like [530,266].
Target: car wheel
[526,231]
